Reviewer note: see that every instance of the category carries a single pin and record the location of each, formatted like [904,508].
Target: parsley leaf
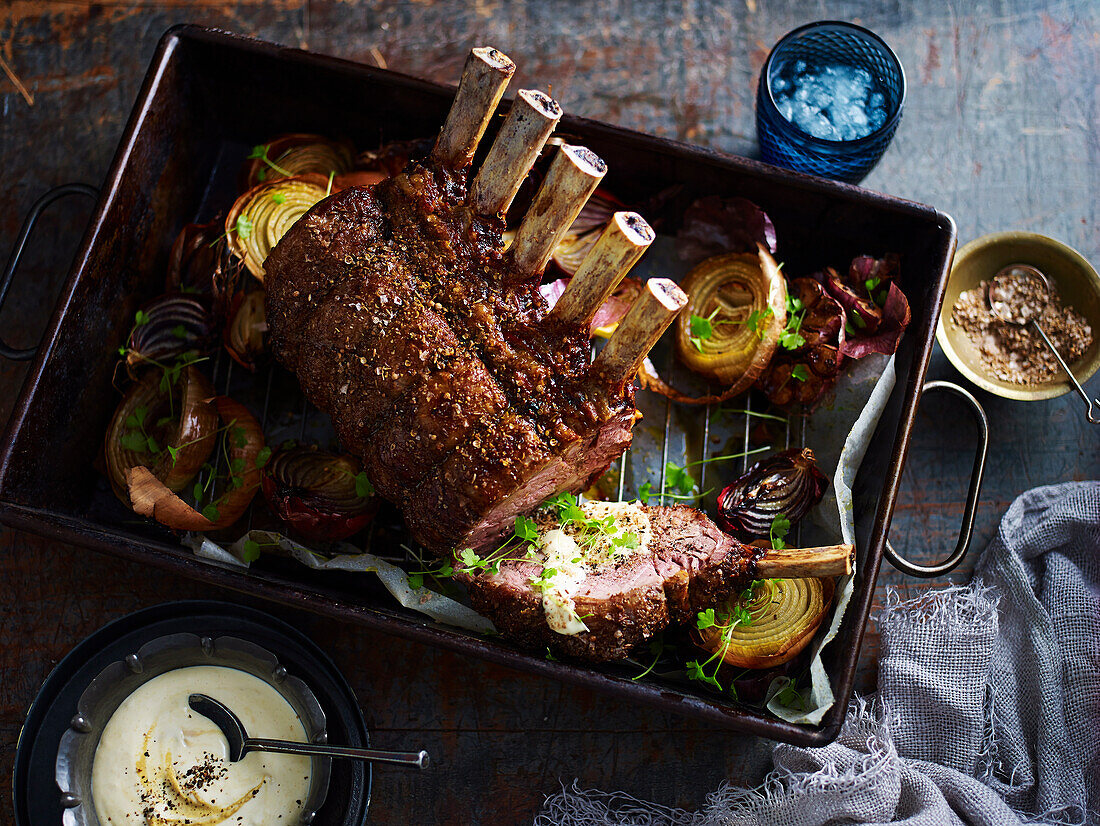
[211,512]
[363,486]
[244,226]
[526,529]
[800,372]
[701,327]
[791,340]
[470,559]
[757,320]
[133,441]
[705,619]
[263,456]
[679,479]
[279,198]
[141,318]
[789,696]
[645,492]
[778,532]
[251,550]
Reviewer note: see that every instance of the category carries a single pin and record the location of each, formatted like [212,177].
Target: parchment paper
[351,559]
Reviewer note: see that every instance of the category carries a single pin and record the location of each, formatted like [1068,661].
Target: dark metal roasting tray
[177,162]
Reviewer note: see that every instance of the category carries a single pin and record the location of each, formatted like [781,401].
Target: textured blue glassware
[826,43]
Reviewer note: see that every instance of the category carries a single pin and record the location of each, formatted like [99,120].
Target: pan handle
[966,531]
[58,192]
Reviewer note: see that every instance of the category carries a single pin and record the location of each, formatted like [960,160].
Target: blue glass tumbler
[823,44]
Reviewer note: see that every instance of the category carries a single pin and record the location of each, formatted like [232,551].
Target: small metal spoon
[240,743]
[1002,307]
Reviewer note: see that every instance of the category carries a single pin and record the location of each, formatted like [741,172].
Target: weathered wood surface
[1000,130]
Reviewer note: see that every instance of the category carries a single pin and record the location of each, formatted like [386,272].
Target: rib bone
[517,146]
[652,312]
[618,249]
[572,178]
[792,563]
[484,78]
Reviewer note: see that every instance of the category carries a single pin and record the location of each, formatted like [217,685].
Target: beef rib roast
[429,344]
[583,592]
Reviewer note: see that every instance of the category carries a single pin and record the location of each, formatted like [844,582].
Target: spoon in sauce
[240,743]
[1018,294]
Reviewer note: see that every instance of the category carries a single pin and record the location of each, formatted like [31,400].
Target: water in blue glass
[829,101]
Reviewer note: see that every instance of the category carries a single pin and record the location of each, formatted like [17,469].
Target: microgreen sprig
[702,328]
[260,152]
[735,614]
[679,481]
[789,696]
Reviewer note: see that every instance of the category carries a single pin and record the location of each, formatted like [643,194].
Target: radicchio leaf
[714,225]
[895,318]
[876,317]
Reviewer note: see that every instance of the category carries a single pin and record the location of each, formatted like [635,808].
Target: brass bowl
[1074,278]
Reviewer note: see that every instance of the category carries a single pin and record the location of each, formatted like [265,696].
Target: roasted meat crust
[401,314]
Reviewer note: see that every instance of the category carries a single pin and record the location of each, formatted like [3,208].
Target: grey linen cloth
[988,709]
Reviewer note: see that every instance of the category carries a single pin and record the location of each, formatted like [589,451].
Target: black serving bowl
[37,798]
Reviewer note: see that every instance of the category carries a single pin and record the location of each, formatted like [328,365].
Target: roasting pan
[185,137]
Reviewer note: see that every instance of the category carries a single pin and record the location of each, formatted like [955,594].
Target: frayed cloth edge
[957,606]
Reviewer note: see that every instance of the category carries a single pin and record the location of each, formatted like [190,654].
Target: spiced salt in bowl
[1073,279]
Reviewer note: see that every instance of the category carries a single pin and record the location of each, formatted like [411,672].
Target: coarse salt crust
[1015,353]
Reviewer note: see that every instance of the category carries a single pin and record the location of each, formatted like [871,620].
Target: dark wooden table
[1000,130]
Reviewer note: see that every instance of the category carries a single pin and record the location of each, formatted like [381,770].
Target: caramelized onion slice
[246,329]
[166,427]
[168,327]
[785,614]
[321,496]
[263,214]
[737,305]
[298,154]
[197,255]
[244,440]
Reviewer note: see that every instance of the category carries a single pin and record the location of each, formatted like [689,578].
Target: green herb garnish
[778,531]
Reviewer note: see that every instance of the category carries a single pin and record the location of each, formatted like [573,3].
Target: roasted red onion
[226,497]
[165,329]
[196,256]
[786,483]
[244,332]
[321,496]
[166,424]
[714,225]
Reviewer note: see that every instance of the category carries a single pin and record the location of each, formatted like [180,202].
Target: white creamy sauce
[571,561]
[158,763]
